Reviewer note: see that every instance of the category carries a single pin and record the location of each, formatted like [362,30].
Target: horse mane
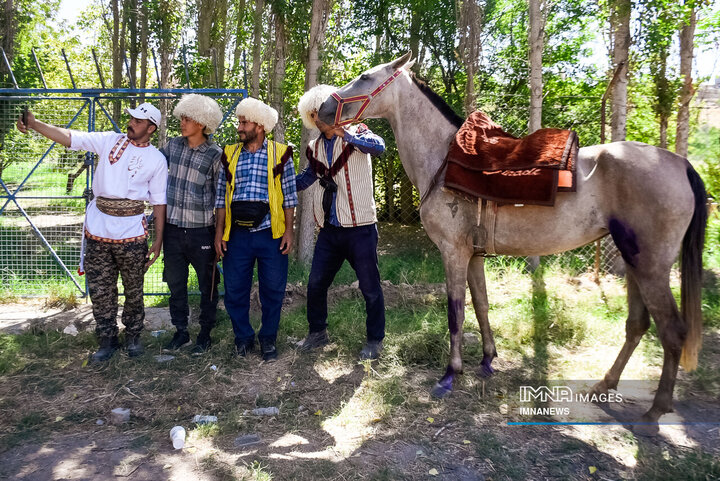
[438,102]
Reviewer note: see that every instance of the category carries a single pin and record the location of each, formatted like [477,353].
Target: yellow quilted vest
[275,152]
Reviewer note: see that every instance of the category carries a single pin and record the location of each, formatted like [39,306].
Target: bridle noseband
[365,99]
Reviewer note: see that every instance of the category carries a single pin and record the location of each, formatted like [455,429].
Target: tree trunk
[206,11]
[239,36]
[212,38]
[469,20]
[220,40]
[117,54]
[278,78]
[257,48]
[536,42]
[687,91]
[306,221]
[407,206]
[143,45]
[132,7]
[9,27]
[663,131]
[620,28]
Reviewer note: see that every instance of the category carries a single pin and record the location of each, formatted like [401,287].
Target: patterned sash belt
[120,207]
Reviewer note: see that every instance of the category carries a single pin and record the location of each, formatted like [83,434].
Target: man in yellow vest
[255,211]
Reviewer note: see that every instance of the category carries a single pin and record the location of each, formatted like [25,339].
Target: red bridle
[365,99]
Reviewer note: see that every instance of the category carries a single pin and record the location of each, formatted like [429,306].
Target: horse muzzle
[326,112]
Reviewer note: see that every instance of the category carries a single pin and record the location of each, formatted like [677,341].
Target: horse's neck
[422,134]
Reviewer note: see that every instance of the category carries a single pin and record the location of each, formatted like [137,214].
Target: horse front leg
[478,291]
[456,267]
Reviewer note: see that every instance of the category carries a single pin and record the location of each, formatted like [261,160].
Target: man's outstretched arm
[56,134]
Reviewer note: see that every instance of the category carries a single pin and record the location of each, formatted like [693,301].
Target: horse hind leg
[456,268]
[637,323]
[478,291]
[672,332]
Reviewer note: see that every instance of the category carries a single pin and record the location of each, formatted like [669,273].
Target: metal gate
[44,187]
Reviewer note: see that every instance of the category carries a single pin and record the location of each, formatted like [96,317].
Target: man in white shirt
[129,172]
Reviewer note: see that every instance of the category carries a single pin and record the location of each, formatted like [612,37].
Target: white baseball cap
[146,111]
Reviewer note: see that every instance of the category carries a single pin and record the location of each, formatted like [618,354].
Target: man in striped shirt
[194,163]
[344,209]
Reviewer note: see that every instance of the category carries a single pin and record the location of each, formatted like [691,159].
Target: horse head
[360,98]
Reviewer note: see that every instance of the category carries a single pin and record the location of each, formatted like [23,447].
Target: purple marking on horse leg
[625,240]
[454,307]
[486,369]
[447,380]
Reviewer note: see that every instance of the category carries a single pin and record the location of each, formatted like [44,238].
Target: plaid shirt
[191,182]
[251,182]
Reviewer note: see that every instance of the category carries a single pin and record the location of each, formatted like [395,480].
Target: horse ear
[401,61]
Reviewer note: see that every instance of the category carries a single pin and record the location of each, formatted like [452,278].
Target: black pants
[182,248]
[357,245]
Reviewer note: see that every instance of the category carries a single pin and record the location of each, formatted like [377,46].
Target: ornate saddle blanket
[486,162]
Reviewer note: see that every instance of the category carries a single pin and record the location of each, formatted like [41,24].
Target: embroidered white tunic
[137,173]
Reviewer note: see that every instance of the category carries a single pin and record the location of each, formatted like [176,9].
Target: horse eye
[364,77]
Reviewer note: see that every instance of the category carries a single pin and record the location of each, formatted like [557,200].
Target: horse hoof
[599,388]
[440,392]
[486,370]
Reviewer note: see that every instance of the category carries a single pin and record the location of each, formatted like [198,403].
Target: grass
[344,419]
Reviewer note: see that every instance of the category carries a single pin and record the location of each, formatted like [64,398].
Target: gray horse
[651,201]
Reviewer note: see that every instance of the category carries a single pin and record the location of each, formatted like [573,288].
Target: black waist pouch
[248,214]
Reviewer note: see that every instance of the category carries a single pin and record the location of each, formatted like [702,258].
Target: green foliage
[704,152]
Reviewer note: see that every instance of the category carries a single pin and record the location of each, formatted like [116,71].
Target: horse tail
[691,273]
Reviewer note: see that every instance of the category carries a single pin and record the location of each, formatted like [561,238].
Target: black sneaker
[371,350]
[108,346]
[181,338]
[314,340]
[269,352]
[244,348]
[202,344]
[134,346]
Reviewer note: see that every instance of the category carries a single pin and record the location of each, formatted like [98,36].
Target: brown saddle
[486,162]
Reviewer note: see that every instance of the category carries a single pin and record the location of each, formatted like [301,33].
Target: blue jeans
[182,248]
[357,245]
[243,249]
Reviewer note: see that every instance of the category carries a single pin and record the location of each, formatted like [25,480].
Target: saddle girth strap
[484,243]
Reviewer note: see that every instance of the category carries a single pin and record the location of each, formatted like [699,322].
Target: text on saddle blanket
[486,162]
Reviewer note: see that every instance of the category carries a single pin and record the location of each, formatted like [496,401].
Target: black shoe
[314,340]
[371,350]
[108,346]
[243,349]
[181,338]
[202,344]
[269,352]
[134,346]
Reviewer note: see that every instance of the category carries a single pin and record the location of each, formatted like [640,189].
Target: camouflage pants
[103,262]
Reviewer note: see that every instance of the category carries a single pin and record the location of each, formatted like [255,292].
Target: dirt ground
[465,437]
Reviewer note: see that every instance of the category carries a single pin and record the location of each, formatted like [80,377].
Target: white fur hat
[201,109]
[259,112]
[312,100]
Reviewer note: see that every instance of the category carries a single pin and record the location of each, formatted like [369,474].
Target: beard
[133,134]
[247,136]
